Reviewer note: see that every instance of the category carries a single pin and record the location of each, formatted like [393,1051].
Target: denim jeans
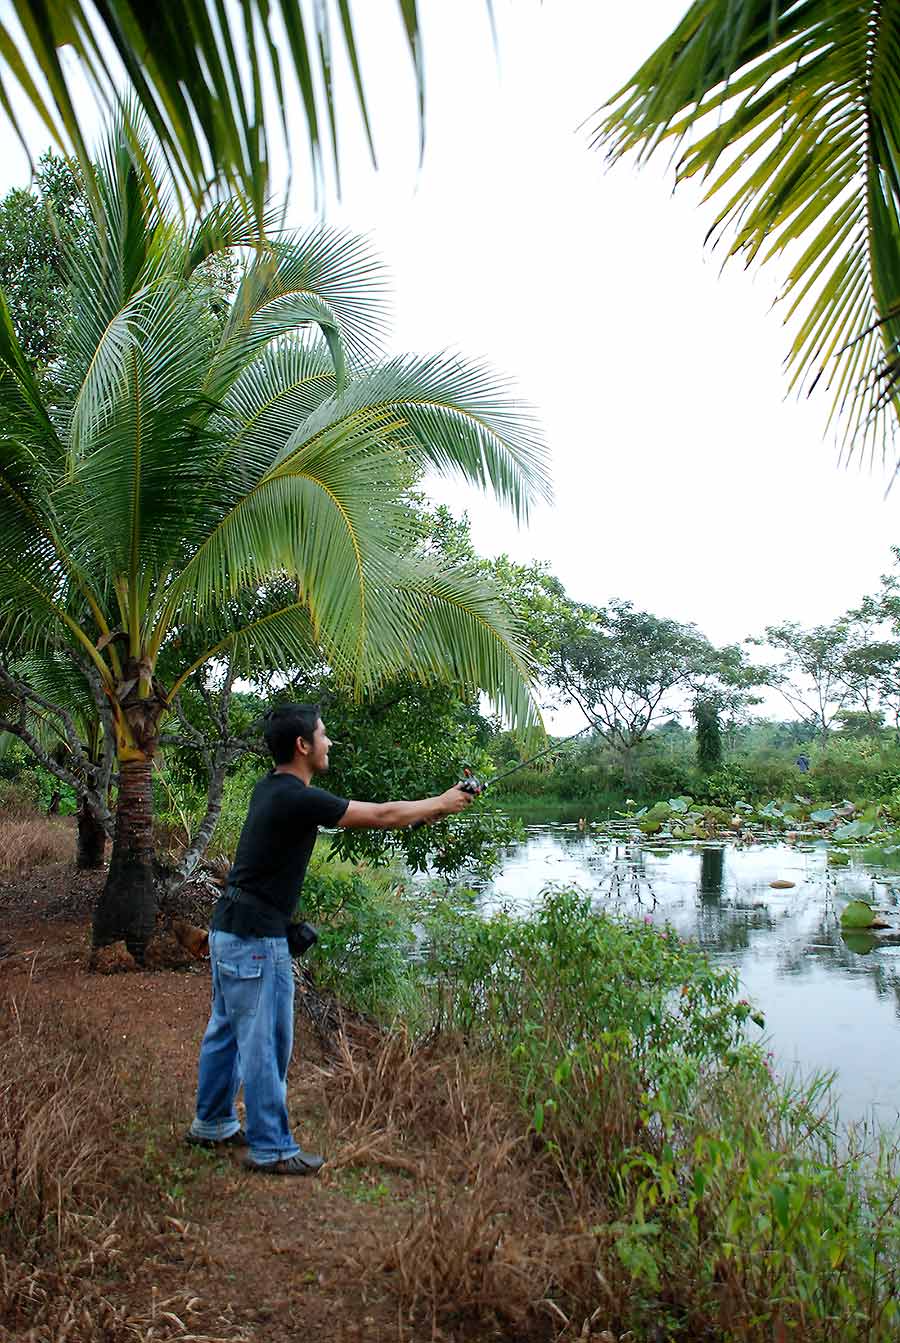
[249,1040]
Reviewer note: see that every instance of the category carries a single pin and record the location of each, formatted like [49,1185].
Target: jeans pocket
[241,985]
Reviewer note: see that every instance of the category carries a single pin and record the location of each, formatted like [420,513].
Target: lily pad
[860,942]
[838,859]
[823,815]
[857,915]
[854,830]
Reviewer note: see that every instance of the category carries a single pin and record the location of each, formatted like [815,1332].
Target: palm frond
[197,69]
[326,277]
[324,517]
[453,416]
[138,456]
[792,110]
[452,628]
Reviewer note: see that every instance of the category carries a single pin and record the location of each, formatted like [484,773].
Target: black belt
[236,895]
[300,936]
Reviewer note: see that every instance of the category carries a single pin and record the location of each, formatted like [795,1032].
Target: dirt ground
[258,1258]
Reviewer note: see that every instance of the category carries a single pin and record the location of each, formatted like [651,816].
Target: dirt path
[267,1260]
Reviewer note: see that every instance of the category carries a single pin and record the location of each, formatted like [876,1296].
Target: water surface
[831,1005]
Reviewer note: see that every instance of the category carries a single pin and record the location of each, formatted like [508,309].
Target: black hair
[284,724]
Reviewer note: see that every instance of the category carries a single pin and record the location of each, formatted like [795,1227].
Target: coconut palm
[188,467]
[56,707]
[791,110]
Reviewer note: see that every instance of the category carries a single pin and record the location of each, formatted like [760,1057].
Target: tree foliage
[38,229]
[625,668]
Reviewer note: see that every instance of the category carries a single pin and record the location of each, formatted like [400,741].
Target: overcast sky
[684,478]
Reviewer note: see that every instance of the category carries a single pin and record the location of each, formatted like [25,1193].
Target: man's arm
[398,815]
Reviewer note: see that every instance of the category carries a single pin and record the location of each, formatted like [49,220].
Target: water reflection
[712,867]
[832,1002]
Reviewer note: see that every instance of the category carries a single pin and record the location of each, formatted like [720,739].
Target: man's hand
[455,799]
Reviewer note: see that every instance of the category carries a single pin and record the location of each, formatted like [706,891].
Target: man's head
[295,733]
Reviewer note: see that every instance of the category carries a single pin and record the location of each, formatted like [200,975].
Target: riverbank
[577,1132]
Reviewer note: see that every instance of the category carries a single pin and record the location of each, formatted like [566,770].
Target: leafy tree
[626,668]
[860,723]
[184,473]
[812,675]
[705,713]
[874,661]
[37,229]
[791,111]
[411,740]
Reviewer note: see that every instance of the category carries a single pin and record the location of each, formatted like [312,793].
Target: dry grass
[495,1235]
[81,1235]
[30,840]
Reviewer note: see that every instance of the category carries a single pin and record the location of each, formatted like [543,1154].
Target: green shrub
[567,986]
[365,924]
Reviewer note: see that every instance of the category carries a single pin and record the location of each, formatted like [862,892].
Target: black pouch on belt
[300,937]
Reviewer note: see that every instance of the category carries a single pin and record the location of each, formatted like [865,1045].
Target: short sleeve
[323,808]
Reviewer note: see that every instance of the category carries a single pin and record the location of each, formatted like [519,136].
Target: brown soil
[259,1258]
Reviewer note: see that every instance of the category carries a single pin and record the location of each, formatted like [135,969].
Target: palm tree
[791,109]
[187,466]
[56,707]
[199,71]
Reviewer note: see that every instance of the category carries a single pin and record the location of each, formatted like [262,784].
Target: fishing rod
[470,784]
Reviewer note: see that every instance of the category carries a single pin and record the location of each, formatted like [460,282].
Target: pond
[832,1004]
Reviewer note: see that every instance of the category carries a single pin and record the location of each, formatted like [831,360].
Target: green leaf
[857,914]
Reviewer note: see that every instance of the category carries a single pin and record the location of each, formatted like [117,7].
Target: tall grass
[80,1220]
[30,840]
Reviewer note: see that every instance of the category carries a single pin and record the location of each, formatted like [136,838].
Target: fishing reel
[470,784]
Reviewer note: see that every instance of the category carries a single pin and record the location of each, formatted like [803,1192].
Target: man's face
[317,752]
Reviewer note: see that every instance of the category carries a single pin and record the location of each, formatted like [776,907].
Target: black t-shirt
[273,853]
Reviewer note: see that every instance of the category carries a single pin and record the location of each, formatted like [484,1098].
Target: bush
[365,927]
[567,988]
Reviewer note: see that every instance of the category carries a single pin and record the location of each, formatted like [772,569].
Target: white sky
[684,480]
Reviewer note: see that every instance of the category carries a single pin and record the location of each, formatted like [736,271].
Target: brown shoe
[304,1163]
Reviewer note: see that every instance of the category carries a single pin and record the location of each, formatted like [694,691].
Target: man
[250,1032]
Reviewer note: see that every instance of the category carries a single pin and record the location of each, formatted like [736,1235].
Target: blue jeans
[249,1039]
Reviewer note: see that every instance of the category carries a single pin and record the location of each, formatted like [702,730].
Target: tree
[874,661]
[37,228]
[57,709]
[813,675]
[705,712]
[185,472]
[625,669]
[792,110]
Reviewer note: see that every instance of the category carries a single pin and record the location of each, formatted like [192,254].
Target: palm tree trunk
[126,910]
[91,838]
